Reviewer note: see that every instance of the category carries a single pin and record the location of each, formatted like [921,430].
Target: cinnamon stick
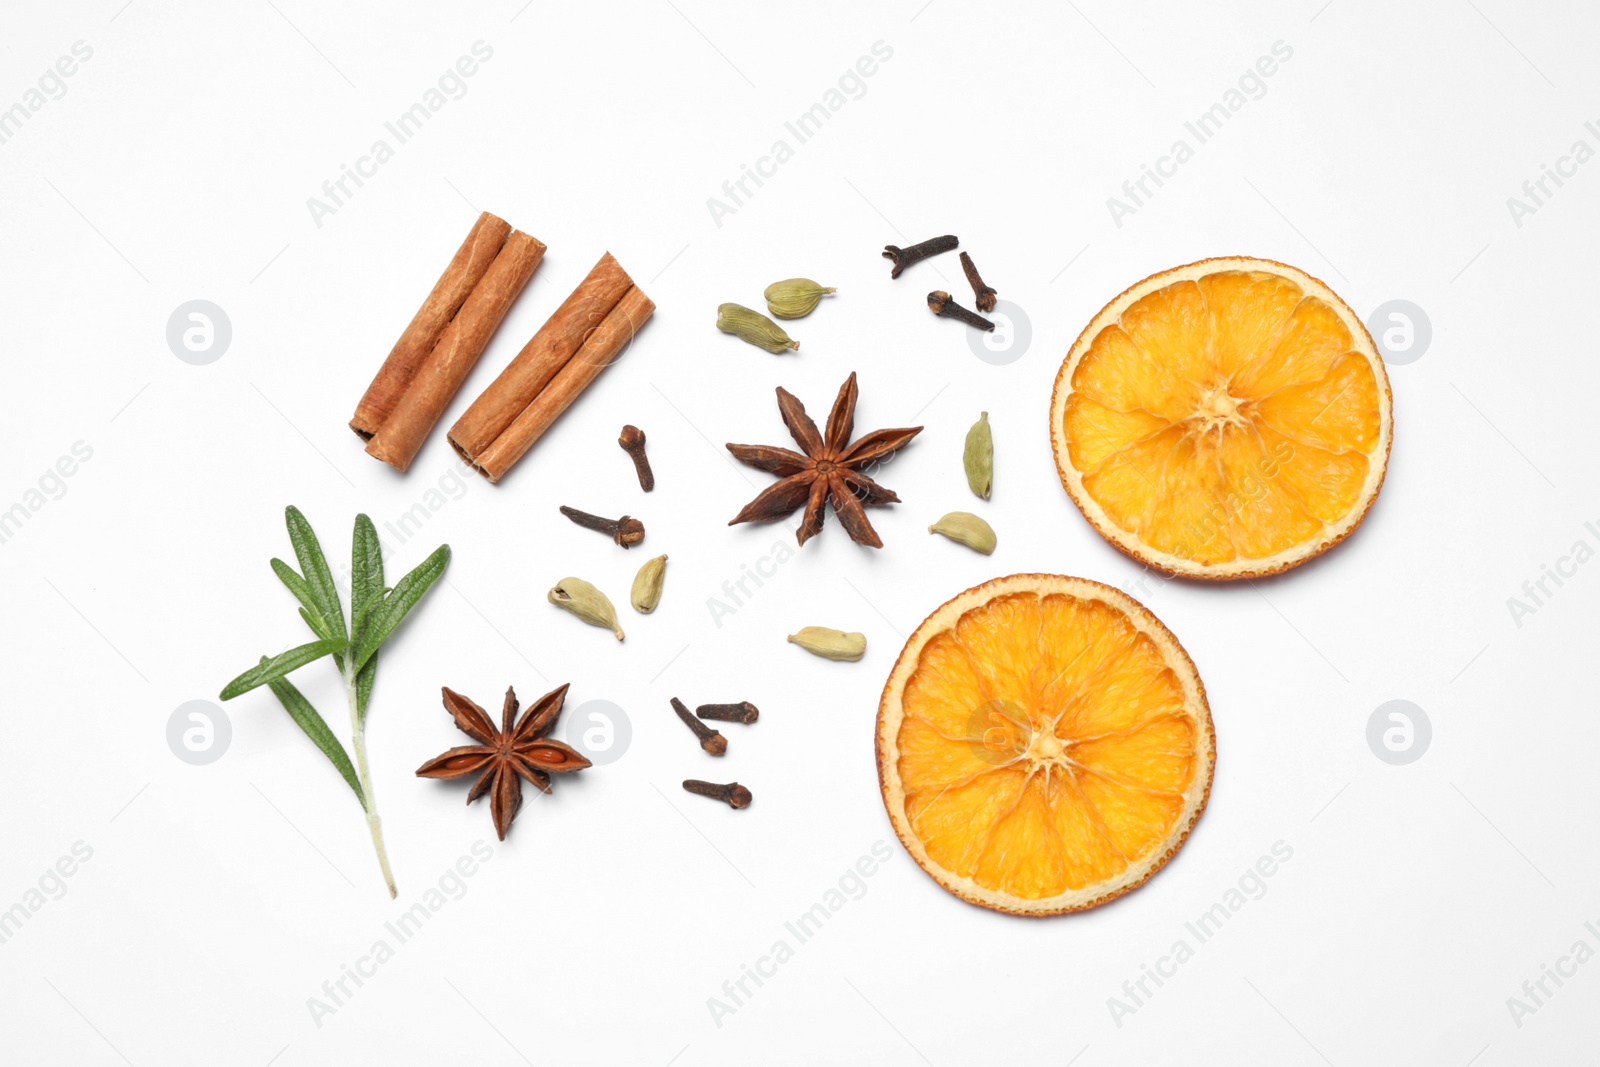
[466,269]
[489,441]
[440,375]
[545,353]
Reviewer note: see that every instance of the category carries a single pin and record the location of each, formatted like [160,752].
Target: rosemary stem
[358,741]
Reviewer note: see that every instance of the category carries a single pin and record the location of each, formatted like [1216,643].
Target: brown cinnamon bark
[440,375]
[471,262]
[545,353]
[602,346]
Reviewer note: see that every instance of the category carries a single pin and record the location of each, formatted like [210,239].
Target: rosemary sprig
[375,613]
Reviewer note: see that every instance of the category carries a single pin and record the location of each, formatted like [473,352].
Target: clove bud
[632,442]
[905,257]
[744,712]
[626,531]
[710,740]
[733,794]
[941,303]
[982,295]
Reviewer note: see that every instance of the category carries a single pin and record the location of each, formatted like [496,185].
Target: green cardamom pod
[754,328]
[646,592]
[978,457]
[830,644]
[965,528]
[794,298]
[586,602]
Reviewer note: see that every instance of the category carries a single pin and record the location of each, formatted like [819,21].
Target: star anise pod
[831,468]
[501,755]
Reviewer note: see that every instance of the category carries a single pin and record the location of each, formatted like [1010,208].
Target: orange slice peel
[1226,419]
[1044,745]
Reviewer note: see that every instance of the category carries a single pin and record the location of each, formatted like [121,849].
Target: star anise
[501,755]
[832,467]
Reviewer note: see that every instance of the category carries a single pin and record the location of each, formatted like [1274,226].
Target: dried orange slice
[1044,744]
[1226,419]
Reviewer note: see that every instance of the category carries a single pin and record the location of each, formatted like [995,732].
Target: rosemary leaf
[302,592]
[366,573]
[366,606]
[314,566]
[387,615]
[269,670]
[307,718]
[366,590]
[297,585]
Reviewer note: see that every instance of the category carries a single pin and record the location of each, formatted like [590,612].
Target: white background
[219,899]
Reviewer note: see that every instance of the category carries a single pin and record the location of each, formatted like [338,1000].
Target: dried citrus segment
[1164,325]
[1246,310]
[1155,757]
[1312,339]
[957,817]
[1131,691]
[1006,668]
[1121,377]
[1078,637]
[1089,856]
[1338,412]
[1187,519]
[1019,848]
[931,696]
[1131,817]
[1326,483]
[933,758]
[1125,482]
[1263,517]
[1226,419]
[1058,760]
[1097,431]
